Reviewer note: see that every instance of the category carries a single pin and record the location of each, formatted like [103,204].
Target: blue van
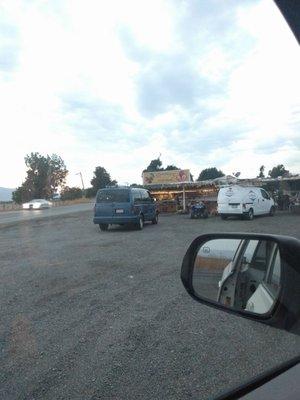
[124,205]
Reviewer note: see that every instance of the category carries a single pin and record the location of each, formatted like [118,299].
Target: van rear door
[121,205]
[112,202]
[235,197]
[103,206]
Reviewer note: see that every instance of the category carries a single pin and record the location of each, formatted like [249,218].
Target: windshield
[118,117]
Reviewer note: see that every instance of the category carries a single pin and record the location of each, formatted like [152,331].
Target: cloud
[169,82]
[116,83]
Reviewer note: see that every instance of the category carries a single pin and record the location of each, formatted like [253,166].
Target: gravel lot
[103,315]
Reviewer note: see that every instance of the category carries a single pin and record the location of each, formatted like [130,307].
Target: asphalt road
[103,315]
[8,217]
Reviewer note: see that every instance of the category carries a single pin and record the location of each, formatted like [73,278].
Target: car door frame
[137,205]
[146,209]
[152,206]
[266,201]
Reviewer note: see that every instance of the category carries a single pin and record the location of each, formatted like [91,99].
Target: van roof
[115,187]
[121,187]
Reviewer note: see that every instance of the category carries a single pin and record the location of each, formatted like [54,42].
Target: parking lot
[103,315]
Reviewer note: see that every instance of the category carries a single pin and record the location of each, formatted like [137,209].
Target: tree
[279,170]
[137,185]
[90,192]
[71,193]
[155,165]
[22,194]
[45,174]
[210,173]
[171,168]
[261,172]
[101,179]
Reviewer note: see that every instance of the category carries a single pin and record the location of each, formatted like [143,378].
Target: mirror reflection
[242,274]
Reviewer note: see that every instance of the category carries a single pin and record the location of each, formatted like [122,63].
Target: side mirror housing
[252,275]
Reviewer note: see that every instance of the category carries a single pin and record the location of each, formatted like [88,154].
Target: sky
[117,83]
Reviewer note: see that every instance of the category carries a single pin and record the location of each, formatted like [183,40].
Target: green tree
[210,173]
[279,170]
[101,179]
[155,165]
[71,193]
[45,174]
[261,172]
[22,194]
[171,168]
[137,185]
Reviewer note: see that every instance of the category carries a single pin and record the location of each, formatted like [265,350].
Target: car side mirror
[251,275]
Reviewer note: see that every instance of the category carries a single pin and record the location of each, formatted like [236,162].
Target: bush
[71,193]
[90,192]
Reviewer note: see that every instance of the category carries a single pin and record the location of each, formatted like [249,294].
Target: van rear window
[113,196]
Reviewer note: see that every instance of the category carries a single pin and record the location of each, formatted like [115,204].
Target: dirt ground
[103,315]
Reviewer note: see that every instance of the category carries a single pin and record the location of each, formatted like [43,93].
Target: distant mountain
[6,193]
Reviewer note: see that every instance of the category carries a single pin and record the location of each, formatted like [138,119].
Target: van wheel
[250,215]
[103,227]
[140,224]
[223,216]
[272,211]
[155,219]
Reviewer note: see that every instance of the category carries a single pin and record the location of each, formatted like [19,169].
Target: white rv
[244,201]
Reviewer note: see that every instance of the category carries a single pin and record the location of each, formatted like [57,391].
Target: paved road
[103,315]
[7,217]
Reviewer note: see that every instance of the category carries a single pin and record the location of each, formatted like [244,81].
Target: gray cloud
[206,21]
[271,147]
[170,81]
[97,120]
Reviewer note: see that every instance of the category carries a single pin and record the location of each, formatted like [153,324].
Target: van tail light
[244,205]
[94,208]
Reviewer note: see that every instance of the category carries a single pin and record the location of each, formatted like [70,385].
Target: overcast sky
[116,83]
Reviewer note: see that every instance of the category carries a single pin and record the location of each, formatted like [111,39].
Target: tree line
[46,175]
[213,172]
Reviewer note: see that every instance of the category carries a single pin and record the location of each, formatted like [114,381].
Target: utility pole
[80,174]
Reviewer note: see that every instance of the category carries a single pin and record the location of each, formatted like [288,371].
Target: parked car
[123,206]
[244,201]
[56,197]
[37,204]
